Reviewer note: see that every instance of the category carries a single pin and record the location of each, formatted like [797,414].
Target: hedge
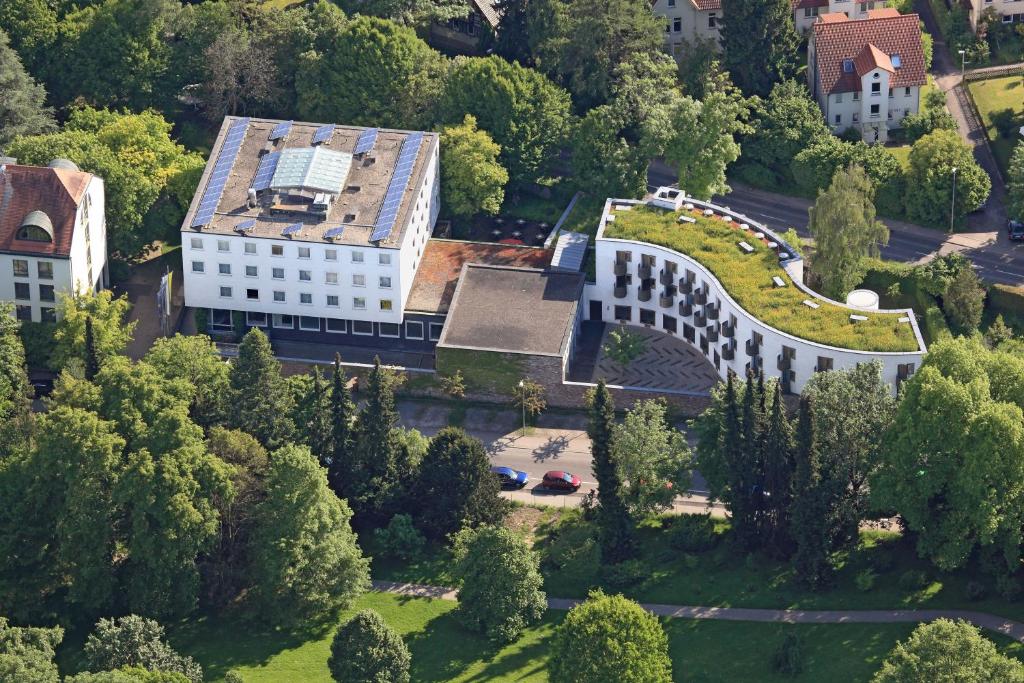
[1006,300]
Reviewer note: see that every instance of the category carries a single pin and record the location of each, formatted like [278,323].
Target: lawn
[1000,101]
[748,278]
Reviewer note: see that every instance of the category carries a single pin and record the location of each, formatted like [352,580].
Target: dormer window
[35,227]
[847,66]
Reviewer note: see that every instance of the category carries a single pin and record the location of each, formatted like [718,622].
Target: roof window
[848,66]
[896,61]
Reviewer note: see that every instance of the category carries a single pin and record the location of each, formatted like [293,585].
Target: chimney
[252,198]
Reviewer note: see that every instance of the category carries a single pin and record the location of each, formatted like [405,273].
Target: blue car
[510,478]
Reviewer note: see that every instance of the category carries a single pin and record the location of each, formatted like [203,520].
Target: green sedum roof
[712,242]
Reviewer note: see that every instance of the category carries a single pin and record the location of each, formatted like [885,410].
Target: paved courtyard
[667,363]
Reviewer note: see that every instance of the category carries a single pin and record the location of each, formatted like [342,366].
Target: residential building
[53,236]
[867,74]
[1008,11]
[472,35]
[734,289]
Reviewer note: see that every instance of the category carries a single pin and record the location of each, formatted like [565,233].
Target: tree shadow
[551,449]
[1006,121]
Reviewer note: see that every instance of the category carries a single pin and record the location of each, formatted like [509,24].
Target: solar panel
[280,130]
[220,172]
[334,232]
[268,164]
[292,229]
[323,134]
[396,188]
[366,139]
[246,226]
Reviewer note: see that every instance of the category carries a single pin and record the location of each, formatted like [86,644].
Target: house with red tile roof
[53,236]
[867,74]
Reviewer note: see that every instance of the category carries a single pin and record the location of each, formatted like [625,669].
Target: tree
[376,73]
[105,314]
[842,222]
[500,583]
[377,449]
[526,114]
[528,397]
[777,452]
[703,140]
[23,110]
[809,525]
[964,300]
[760,44]
[136,642]
[312,416]
[241,75]
[624,346]
[1015,184]
[260,402]
[513,33]
[366,650]
[930,179]
[132,674]
[615,527]
[306,563]
[341,470]
[952,462]
[196,360]
[31,26]
[472,180]
[998,332]
[15,390]
[455,487]
[652,457]
[27,654]
[413,13]
[930,119]
[623,643]
[946,650]
[92,359]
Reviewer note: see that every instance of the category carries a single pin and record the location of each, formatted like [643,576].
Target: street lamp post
[963,58]
[522,400]
[952,203]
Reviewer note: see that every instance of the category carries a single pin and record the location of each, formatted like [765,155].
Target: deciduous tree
[930,179]
[1015,184]
[111,332]
[652,457]
[945,650]
[27,654]
[196,360]
[760,45]
[134,641]
[964,300]
[783,124]
[472,180]
[15,390]
[241,75]
[23,110]
[366,650]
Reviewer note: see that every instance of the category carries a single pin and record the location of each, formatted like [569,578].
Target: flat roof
[518,310]
[441,265]
[362,189]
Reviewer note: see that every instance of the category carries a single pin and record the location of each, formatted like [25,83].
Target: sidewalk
[991,622]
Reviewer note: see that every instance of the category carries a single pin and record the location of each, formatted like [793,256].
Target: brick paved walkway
[667,363]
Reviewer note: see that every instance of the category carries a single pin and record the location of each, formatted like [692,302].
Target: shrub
[693,533]
[400,539]
[865,580]
[624,574]
[913,580]
[365,648]
[454,385]
[1006,299]
[1008,587]
[975,590]
[574,542]
[139,642]
[788,658]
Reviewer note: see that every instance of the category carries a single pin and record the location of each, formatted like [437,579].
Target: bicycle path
[990,622]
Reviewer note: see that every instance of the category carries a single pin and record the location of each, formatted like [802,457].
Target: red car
[561,481]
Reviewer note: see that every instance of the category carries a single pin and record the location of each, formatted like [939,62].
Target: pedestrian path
[990,622]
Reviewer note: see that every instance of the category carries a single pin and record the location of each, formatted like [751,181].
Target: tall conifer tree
[616,528]
[810,510]
[378,448]
[340,472]
[778,477]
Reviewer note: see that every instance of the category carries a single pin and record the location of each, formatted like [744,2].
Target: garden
[1000,103]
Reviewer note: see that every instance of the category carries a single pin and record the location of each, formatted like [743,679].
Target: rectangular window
[668,323]
[839,98]
[906,92]
[677,25]
[856,95]
[278,297]
[303,252]
[45,270]
[223,245]
[250,248]
[364,327]
[359,303]
[389,329]
[198,267]
[221,318]
[20,267]
[712,20]
[385,304]
[413,330]
[251,271]
[856,117]
[385,282]
[334,325]
[23,313]
[225,292]
[277,273]
[874,110]
[357,257]
[309,323]
[252,294]
[876,88]
[824,364]
[671,3]
[196,242]
[647,317]
[890,92]
[358,280]
[224,268]
[22,291]
[46,293]
[839,119]
[331,278]
[435,331]
[330,254]
[284,321]
[305,276]
[332,300]
[384,259]
[276,250]
[254,319]
[305,298]
[47,314]
[623,313]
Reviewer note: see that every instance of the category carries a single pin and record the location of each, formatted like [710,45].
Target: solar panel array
[292,229]
[280,130]
[366,139]
[396,188]
[265,172]
[246,226]
[334,232]
[221,170]
[323,134]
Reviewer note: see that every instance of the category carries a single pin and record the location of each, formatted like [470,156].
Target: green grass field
[1000,101]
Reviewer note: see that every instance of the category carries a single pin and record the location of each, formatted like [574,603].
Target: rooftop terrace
[748,277]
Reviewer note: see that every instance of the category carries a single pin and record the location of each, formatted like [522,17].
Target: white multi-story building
[655,286]
[866,74]
[1008,11]
[312,232]
[53,236]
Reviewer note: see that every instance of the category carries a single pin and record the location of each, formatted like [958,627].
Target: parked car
[1015,230]
[561,481]
[510,478]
